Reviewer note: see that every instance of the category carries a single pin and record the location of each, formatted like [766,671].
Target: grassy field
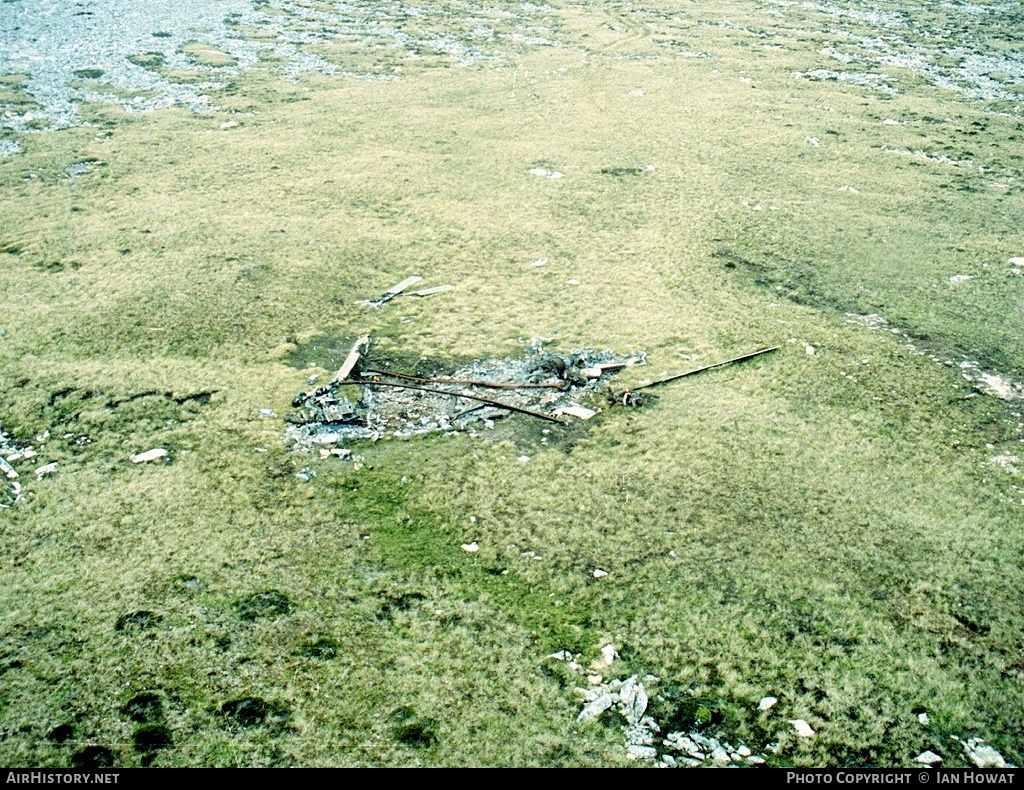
[827,528]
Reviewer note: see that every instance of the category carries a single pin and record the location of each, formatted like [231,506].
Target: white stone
[46,469]
[472,548]
[669,760]
[809,349]
[813,141]
[598,573]
[754,760]
[688,746]
[539,262]
[766,703]
[803,729]
[8,470]
[923,718]
[959,278]
[594,709]
[149,455]
[229,125]
[743,751]
[720,756]
[928,758]
[634,701]
[636,752]
[984,756]
[523,459]
[608,654]
[1017,261]
[594,680]
[543,173]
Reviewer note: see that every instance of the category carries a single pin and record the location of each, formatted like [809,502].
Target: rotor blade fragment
[395,290]
[437,289]
[498,385]
[699,370]
[352,359]
[488,401]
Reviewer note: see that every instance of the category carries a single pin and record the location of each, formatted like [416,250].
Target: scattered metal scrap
[540,385]
[399,289]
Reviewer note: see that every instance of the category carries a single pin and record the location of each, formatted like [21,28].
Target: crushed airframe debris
[541,385]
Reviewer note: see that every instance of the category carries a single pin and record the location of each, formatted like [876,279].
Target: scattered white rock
[755,760]
[982,755]
[539,262]
[720,756]
[959,278]
[267,413]
[923,719]
[637,752]
[46,469]
[634,699]
[743,751]
[599,574]
[890,122]
[543,173]
[523,459]
[928,758]
[472,548]
[149,455]
[809,349]
[803,729]
[1017,261]
[594,709]
[813,141]
[305,474]
[594,680]
[229,125]
[766,703]
[668,760]
[574,282]
[608,655]
[8,470]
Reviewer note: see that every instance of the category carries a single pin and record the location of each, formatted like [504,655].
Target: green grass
[841,539]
